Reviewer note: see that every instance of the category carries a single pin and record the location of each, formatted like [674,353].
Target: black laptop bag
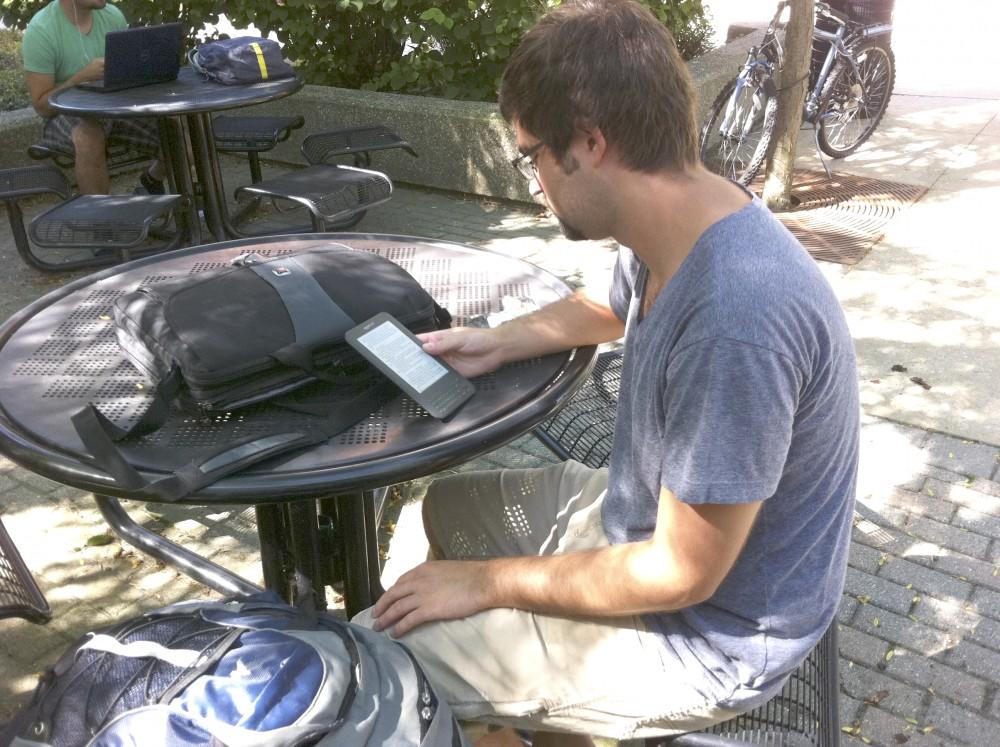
[260,330]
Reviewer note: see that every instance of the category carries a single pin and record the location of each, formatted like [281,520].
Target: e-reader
[397,353]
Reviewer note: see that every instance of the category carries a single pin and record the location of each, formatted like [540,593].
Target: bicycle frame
[742,122]
[847,35]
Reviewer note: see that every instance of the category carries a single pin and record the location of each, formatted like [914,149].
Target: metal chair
[805,712]
[19,594]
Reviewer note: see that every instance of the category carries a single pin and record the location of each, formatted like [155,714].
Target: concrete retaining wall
[464,146]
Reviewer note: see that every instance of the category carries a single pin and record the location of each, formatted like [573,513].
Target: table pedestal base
[293,559]
[191,564]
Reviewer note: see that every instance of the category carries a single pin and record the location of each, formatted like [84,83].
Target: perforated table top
[188,94]
[60,353]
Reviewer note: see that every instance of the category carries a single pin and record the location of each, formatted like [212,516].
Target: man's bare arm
[567,323]
[690,553]
[42,86]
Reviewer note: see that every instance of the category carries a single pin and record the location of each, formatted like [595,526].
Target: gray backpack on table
[245,59]
[247,672]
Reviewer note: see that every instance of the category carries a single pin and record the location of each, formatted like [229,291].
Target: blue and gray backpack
[247,672]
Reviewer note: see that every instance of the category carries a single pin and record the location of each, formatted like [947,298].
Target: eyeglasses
[525,163]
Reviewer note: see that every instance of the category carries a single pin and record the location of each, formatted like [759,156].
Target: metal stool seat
[252,135]
[101,221]
[32,180]
[332,194]
[585,428]
[120,154]
[119,222]
[805,712]
[359,142]
[19,594]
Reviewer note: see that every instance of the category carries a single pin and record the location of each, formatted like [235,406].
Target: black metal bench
[19,594]
[805,712]
[114,227]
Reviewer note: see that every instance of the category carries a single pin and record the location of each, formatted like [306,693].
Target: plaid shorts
[141,135]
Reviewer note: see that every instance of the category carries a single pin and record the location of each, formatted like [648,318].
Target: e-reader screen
[397,352]
[403,355]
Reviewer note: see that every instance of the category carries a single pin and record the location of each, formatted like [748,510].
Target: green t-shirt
[52,45]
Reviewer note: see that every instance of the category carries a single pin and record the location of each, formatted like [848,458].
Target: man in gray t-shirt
[684,583]
[739,384]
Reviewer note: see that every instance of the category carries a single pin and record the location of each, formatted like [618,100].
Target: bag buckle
[247,259]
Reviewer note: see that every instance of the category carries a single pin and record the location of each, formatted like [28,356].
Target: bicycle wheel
[852,104]
[735,139]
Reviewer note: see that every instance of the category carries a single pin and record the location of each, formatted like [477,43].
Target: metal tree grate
[841,219]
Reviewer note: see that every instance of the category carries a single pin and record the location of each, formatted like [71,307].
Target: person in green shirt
[63,46]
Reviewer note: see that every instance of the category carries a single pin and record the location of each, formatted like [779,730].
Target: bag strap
[97,434]
[315,316]
[192,57]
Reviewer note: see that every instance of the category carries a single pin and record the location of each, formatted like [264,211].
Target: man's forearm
[626,579]
[688,555]
[571,322]
[41,103]
[43,107]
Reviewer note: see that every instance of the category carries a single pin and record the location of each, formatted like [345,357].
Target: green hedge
[13,93]
[451,48]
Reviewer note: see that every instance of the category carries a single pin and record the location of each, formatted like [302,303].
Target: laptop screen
[147,54]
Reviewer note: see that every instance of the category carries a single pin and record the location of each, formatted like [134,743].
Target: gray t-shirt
[740,385]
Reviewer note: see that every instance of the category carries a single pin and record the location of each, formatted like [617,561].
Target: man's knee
[89,140]
[427,514]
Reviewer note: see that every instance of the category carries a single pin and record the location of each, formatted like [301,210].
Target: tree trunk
[793,83]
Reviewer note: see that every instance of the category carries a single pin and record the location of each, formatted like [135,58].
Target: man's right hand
[94,70]
[471,351]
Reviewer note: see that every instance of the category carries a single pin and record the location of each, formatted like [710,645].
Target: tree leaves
[454,48]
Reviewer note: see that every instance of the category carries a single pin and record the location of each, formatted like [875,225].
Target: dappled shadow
[92,579]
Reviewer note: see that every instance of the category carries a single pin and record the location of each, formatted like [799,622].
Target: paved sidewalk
[920,635]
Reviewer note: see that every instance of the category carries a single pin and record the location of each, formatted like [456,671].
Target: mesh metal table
[60,353]
[183,109]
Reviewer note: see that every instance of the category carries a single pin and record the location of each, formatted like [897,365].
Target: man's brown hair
[609,64]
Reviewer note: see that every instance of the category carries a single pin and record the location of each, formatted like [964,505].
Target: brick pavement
[920,619]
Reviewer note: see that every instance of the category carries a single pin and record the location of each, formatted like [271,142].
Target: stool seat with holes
[120,155]
[357,142]
[112,228]
[253,136]
[332,194]
[19,594]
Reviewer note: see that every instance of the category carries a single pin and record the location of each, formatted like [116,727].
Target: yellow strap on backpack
[260,59]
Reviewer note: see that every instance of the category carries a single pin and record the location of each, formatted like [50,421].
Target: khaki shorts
[503,666]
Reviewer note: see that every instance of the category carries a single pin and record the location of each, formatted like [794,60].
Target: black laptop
[139,57]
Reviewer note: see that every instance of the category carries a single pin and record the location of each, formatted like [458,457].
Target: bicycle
[851,79]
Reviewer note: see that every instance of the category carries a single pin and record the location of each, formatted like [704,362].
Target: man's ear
[595,146]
